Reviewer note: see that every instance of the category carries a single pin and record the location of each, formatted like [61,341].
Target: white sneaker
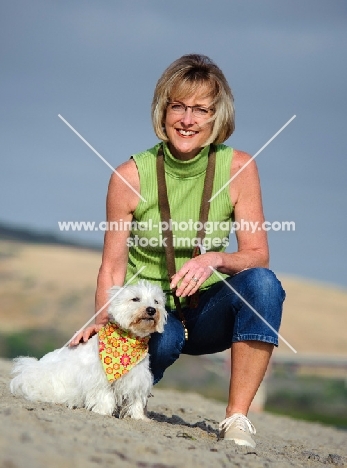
[239,429]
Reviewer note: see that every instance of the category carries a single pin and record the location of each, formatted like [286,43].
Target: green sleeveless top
[185,180]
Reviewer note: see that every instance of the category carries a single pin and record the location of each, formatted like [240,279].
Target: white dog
[110,372]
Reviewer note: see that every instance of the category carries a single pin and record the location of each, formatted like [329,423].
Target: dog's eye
[156,302]
[135,299]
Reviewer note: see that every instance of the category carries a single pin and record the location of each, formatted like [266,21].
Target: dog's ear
[114,291]
[113,294]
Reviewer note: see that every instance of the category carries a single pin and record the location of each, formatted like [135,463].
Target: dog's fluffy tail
[39,380]
[25,370]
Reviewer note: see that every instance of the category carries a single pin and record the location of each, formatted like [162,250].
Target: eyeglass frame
[208,109]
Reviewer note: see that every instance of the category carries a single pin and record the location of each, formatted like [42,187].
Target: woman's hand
[195,272]
[83,336]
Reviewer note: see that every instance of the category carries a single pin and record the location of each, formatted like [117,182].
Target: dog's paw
[103,409]
[138,417]
[134,411]
[145,419]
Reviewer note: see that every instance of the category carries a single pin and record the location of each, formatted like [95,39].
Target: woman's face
[188,132]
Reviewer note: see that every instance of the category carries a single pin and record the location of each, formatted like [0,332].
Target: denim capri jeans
[223,317]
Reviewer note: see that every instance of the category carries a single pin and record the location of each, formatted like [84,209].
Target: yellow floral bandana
[120,350]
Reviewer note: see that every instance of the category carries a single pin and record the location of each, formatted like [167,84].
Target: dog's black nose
[150,311]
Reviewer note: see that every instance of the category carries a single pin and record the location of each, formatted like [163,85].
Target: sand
[182,433]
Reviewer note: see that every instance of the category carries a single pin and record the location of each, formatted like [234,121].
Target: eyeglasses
[179,108]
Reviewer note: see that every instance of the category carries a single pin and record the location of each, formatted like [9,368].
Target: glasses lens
[177,108]
[200,111]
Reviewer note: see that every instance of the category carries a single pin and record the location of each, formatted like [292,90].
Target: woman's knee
[263,291]
[263,282]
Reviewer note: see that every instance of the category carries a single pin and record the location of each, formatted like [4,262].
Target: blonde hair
[183,78]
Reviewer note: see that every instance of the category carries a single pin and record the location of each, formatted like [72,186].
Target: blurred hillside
[52,286]
[46,286]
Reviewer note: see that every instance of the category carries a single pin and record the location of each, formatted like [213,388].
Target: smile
[186,133]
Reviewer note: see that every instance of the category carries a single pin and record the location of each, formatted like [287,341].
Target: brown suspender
[164,208]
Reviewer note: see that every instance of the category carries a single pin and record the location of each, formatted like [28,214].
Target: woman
[192,114]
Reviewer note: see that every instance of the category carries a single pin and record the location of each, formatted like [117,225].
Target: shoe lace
[238,420]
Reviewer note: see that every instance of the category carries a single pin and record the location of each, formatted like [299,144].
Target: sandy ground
[182,433]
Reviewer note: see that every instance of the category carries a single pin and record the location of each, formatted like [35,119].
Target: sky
[97,62]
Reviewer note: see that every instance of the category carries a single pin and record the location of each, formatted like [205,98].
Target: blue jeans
[221,319]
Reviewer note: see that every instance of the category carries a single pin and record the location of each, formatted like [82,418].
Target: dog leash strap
[204,210]
[165,215]
[164,208]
